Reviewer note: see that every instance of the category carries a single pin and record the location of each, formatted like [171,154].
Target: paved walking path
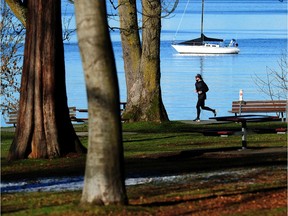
[203,122]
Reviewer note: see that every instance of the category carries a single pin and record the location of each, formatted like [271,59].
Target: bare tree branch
[19,8]
[275,84]
[12,34]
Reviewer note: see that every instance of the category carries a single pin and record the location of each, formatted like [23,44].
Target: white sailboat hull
[205,49]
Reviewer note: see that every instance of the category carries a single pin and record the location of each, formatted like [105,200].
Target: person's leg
[198,105]
[207,108]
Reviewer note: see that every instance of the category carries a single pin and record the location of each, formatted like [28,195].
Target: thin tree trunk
[44,129]
[104,175]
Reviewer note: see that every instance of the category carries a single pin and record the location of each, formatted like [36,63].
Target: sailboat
[206,45]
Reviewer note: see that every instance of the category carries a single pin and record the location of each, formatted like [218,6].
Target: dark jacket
[201,89]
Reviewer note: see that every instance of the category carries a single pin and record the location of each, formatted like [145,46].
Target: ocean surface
[259,26]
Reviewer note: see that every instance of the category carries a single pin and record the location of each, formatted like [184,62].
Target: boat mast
[202,35]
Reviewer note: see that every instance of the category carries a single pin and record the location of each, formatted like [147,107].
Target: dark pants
[201,104]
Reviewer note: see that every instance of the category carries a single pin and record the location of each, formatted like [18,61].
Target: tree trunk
[44,129]
[142,65]
[104,175]
[131,46]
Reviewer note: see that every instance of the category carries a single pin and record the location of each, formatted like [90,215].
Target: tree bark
[104,182]
[131,46]
[142,61]
[44,128]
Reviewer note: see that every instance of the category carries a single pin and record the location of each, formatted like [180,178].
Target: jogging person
[201,89]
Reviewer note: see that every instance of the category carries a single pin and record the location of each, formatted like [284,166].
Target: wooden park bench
[73,112]
[79,119]
[221,132]
[281,130]
[12,116]
[261,106]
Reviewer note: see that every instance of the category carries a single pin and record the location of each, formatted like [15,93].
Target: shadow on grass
[162,164]
[204,160]
[150,139]
[212,196]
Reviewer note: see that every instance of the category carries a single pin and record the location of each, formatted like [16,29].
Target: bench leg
[244,135]
[282,116]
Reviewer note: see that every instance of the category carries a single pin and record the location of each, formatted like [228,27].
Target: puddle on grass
[76,183]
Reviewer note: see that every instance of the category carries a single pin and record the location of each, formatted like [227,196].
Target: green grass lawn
[171,148]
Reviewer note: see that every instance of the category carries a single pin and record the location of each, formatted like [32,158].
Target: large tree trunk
[44,129]
[150,63]
[142,65]
[104,175]
[131,46]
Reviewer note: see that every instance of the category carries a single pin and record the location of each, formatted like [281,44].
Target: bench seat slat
[259,110]
[264,101]
[262,105]
[259,104]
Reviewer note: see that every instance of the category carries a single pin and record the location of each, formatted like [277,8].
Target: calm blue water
[260,26]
